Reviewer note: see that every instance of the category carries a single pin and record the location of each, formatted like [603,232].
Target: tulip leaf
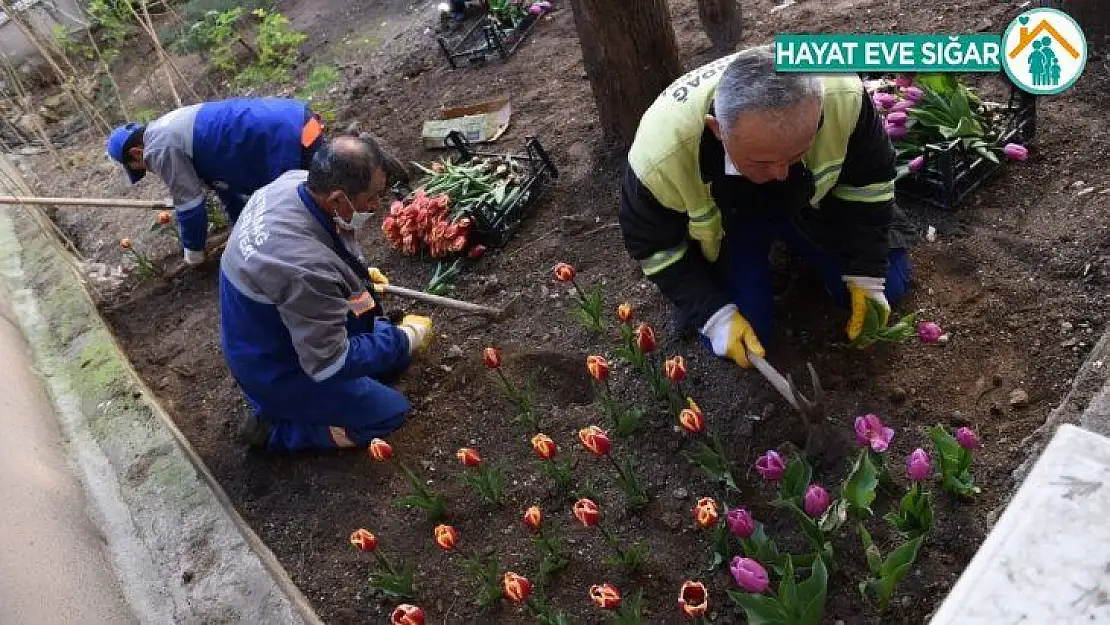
[859,489]
[940,83]
[796,480]
[788,589]
[894,568]
[834,517]
[955,463]
[760,609]
[810,604]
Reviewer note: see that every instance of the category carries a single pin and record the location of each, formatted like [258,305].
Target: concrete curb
[180,550]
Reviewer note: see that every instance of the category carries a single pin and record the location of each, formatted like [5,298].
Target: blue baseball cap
[117,141]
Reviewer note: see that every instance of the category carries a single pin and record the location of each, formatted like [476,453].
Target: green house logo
[1044,51]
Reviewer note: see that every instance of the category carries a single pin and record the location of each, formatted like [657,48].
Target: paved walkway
[52,567]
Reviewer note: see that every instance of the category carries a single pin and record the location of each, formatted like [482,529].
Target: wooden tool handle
[774,377]
[446,302]
[87,201]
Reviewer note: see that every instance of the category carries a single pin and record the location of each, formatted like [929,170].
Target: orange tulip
[692,419]
[491,356]
[598,367]
[469,457]
[675,369]
[645,338]
[705,512]
[380,450]
[517,587]
[693,599]
[595,439]
[544,447]
[446,537]
[164,218]
[564,272]
[407,614]
[364,540]
[533,518]
[624,312]
[585,510]
[605,596]
[125,243]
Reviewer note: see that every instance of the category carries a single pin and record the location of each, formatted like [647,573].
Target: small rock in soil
[680,494]
[1070,342]
[959,420]
[1019,398]
[898,394]
[186,577]
[1066,326]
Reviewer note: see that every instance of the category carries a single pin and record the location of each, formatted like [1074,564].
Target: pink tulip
[535,9]
[771,466]
[904,80]
[895,131]
[1015,152]
[885,100]
[749,574]
[902,106]
[740,523]
[918,466]
[816,501]
[897,118]
[913,94]
[967,438]
[915,165]
[928,331]
[870,431]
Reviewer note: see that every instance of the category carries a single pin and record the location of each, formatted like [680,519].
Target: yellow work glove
[419,331]
[731,336]
[378,279]
[861,289]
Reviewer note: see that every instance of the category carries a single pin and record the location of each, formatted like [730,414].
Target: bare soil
[1018,276]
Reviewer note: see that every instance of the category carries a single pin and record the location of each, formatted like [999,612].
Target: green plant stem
[609,538]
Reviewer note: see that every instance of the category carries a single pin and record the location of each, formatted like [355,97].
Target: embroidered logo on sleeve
[361,304]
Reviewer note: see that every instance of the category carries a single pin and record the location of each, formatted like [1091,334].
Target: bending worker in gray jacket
[299,322]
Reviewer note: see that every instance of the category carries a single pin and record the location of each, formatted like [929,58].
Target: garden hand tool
[811,409]
[494,314]
[88,201]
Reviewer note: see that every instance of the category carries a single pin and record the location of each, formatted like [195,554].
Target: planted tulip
[675,369]
[125,243]
[624,312]
[380,450]
[693,600]
[967,438]
[740,523]
[491,357]
[364,540]
[407,614]
[469,457]
[705,512]
[164,218]
[605,596]
[564,272]
[771,466]
[533,518]
[598,368]
[1015,152]
[929,332]
[816,501]
[446,537]
[917,163]
[870,432]
[918,466]
[517,587]
[544,447]
[587,512]
[749,575]
[691,418]
[645,338]
[596,440]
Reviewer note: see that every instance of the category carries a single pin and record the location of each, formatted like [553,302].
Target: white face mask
[358,220]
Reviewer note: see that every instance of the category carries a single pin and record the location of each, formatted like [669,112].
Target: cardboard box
[479,123]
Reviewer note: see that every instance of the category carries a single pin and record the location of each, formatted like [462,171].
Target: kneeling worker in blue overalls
[300,323]
[232,146]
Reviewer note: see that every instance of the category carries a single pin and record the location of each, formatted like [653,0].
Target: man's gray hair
[750,83]
[345,164]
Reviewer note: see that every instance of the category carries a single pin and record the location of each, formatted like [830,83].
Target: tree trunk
[721,21]
[630,57]
[1093,17]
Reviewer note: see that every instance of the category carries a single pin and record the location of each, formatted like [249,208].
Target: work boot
[254,431]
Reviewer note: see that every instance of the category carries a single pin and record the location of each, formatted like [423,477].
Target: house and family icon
[1045,51]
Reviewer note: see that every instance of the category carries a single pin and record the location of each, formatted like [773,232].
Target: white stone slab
[1047,560]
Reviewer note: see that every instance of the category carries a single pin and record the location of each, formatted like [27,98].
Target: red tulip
[477,251]
[491,357]
[645,338]
[469,457]
[380,450]
[587,513]
[446,537]
[693,599]
[125,243]
[533,518]
[564,272]
[605,596]
[164,218]
[543,446]
[624,312]
[517,588]
[406,614]
[692,419]
[675,369]
[598,367]
[705,512]
[595,439]
[364,540]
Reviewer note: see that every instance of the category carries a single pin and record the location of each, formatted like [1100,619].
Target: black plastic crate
[951,172]
[486,37]
[497,231]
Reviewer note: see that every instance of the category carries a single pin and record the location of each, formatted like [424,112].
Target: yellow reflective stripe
[826,170]
[703,216]
[661,260]
[878,192]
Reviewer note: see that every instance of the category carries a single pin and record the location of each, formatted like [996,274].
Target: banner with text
[888,53]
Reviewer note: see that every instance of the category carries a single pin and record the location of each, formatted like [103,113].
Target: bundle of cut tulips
[423,223]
